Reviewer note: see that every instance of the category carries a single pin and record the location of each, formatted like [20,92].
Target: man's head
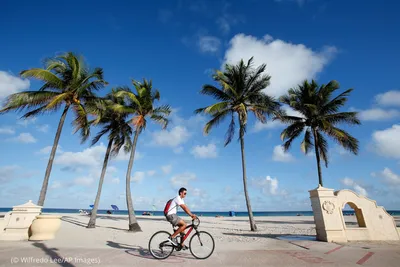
[182,192]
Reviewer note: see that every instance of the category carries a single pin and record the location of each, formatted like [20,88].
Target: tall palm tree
[140,106]
[67,80]
[319,115]
[119,131]
[241,91]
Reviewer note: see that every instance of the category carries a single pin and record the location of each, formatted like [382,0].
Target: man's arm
[186,209]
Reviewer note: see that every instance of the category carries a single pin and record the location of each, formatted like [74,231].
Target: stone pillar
[17,222]
[327,215]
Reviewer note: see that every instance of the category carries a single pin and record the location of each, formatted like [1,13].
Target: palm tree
[241,91]
[319,115]
[140,106]
[67,80]
[119,131]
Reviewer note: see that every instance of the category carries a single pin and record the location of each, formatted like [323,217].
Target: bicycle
[166,248]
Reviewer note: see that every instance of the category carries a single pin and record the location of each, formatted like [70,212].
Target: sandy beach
[279,241]
[231,233]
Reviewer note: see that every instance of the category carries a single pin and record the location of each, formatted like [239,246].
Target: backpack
[167,205]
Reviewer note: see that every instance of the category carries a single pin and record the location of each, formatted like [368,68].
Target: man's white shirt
[175,204]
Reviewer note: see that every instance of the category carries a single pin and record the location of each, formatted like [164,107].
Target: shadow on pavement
[270,235]
[141,252]
[274,222]
[82,224]
[53,254]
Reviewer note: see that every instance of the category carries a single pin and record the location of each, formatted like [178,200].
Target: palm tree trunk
[317,155]
[45,184]
[92,221]
[133,224]
[253,226]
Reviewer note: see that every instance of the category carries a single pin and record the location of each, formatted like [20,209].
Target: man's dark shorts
[173,219]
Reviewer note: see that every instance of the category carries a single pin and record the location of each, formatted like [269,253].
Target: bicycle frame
[184,237]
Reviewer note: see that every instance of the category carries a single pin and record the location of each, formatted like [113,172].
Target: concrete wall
[374,223]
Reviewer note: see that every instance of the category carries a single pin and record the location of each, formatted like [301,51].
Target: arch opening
[353,216]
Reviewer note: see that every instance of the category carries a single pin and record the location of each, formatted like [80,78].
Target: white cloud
[166,169]
[268,185]
[85,181]
[89,157]
[10,84]
[280,155]
[209,44]
[387,142]
[115,181]
[340,150]
[43,128]
[122,156]
[56,184]
[389,177]
[27,121]
[178,150]
[7,130]
[183,179]
[24,138]
[171,138]
[208,151]
[378,114]
[7,173]
[390,98]
[138,177]
[151,173]
[358,188]
[288,64]
[46,150]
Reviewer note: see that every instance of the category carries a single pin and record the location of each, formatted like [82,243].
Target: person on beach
[174,219]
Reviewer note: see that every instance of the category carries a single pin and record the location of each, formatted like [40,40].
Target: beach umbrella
[114,207]
[91,206]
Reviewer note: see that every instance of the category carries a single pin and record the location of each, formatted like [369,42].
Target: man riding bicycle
[174,219]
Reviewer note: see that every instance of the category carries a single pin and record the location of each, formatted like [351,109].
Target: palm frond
[130,95]
[81,122]
[231,131]
[217,118]
[346,117]
[343,138]
[307,143]
[292,130]
[160,119]
[27,99]
[164,109]
[43,75]
[291,133]
[334,105]
[215,92]
[323,148]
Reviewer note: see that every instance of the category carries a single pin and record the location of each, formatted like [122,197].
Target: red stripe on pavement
[333,250]
[365,258]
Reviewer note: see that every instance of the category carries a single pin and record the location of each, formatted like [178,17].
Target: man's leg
[182,225]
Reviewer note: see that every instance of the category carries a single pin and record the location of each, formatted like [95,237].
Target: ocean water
[202,213]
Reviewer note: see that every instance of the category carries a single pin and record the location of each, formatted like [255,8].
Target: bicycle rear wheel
[159,246]
[202,245]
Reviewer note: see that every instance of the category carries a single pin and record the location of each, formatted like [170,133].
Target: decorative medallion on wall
[328,207]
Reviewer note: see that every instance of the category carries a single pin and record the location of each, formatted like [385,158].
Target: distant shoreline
[202,213]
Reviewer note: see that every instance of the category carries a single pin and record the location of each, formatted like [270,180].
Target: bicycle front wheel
[202,245]
[159,246]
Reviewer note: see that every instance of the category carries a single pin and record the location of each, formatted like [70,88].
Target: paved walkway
[286,252]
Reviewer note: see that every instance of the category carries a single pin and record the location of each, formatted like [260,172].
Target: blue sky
[177,44]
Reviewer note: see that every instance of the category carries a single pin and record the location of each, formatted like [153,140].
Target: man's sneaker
[184,247]
[173,241]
